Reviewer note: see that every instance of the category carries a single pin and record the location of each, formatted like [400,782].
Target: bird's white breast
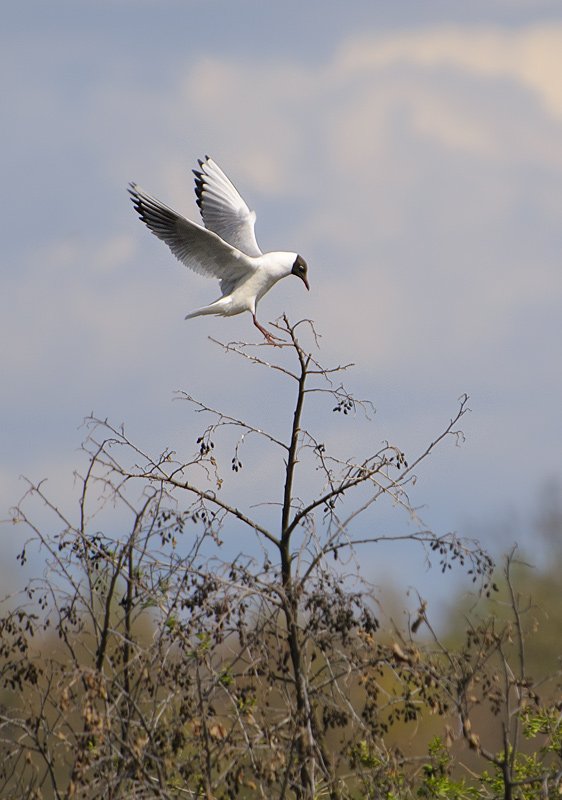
[270,268]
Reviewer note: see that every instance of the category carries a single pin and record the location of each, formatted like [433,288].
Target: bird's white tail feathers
[218,307]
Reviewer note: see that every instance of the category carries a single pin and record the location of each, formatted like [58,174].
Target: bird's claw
[271,339]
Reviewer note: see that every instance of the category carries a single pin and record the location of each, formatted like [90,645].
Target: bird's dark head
[300,270]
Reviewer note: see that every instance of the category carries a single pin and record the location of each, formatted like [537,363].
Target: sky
[411,152]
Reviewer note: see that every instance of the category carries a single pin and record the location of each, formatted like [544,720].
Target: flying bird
[225,248]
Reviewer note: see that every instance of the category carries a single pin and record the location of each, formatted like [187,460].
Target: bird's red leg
[269,336]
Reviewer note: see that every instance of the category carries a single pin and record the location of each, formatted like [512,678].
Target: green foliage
[437,783]
[535,774]
[546,722]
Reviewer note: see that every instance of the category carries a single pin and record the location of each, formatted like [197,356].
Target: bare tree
[162,668]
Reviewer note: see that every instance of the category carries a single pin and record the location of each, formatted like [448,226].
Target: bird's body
[226,248]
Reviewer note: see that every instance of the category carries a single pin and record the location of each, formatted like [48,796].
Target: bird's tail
[218,307]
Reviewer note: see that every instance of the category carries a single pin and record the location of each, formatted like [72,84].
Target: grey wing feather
[223,210]
[199,249]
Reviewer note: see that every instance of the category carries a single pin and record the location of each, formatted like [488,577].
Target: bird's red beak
[304,280]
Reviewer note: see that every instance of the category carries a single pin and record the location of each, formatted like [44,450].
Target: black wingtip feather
[199,186]
[200,181]
[135,199]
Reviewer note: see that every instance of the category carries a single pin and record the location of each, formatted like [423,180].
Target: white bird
[226,248]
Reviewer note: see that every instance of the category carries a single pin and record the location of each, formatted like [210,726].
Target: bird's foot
[269,337]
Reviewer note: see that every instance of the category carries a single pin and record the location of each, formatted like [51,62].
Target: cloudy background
[412,152]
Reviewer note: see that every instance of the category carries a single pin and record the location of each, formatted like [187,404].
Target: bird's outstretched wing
[199,249]
[223,209]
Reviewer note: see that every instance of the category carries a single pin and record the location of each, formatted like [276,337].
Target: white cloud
[530,55]
[368,69]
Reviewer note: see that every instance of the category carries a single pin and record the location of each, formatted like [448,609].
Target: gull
[225,248]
